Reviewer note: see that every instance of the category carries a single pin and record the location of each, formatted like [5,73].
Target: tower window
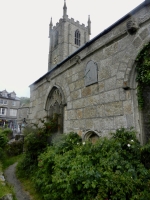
[77,37]
[56,38]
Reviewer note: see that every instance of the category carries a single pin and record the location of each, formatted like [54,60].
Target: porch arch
[141,117]
[54,106]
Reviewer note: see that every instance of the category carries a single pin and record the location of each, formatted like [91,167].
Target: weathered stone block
[120,121]
[101,86]
[102,98]
[109,123]
[79,114]
[130,121]
[122,94]
[144,34]
[78,124]
[111,96]
[110,83]
[99,124]
[79,84]
[112,49]
[74,77]
[122,67]
[72,87]
[71,114]
[104,72]
[69,105]
[69,79]
[76,94]
[113,109]
[137,42]
[114,69]
[99,56]
[120,75]
[89,112]
[127,106]
[86,91]
[100,111]
[89,124]
[78,103]
[93,100]
[119,83]
[81,74]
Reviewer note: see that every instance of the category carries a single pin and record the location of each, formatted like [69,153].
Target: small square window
[5,102]
[13,103]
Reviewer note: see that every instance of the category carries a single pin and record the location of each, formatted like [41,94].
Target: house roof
[9,95]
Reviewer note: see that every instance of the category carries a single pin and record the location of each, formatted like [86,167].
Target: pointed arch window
[56,38]
[77,37]
[55,107]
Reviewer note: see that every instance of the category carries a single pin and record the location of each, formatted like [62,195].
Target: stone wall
[111,102]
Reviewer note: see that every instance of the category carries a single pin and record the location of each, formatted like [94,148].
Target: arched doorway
[143,89]
[146,113]
[91,136]
[55,107]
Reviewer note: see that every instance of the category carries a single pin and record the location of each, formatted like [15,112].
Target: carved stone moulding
[132,26]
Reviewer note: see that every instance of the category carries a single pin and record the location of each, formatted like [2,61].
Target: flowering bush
[110,169]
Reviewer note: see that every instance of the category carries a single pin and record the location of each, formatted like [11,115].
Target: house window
[3,101]
[77,37]
[2,111]
[13,103]
[13,112]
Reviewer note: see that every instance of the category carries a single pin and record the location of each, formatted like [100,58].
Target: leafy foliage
[8,132]
[15,148]
[143,72]
[35,142]
[110,169]
[3,142]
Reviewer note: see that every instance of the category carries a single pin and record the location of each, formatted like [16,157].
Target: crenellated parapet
[70,21]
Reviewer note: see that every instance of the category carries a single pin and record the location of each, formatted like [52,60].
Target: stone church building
[92,84]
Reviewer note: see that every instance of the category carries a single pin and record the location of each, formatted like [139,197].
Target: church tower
[66,37]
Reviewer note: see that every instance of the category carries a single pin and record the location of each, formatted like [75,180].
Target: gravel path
[11,179]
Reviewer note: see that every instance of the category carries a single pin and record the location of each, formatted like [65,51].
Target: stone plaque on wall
[91,74]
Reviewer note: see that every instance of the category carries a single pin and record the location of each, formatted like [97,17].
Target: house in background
[9,104]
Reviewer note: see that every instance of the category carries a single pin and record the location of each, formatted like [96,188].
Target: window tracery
[77,37]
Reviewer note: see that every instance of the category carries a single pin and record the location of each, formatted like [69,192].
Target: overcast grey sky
[24,41]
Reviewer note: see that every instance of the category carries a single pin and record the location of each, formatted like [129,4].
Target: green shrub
[3,140]
[35,142]
[145,155]
[8,132]
[15,148]
[3,143]
[109,169]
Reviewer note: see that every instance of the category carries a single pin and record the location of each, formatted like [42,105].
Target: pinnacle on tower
[64,9]
[89,25]
[51,24]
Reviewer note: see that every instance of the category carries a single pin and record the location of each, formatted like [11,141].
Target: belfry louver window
[77,37]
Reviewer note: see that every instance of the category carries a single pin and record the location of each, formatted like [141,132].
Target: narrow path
[10,177]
